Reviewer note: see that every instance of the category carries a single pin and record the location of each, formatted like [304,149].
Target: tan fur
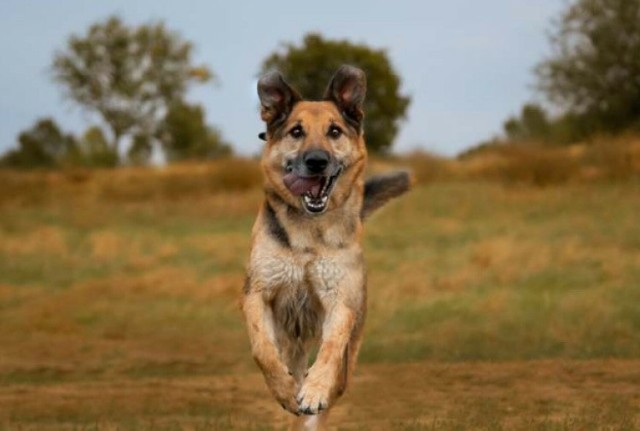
[306,275]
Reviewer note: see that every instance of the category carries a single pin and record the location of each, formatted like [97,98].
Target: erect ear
[347,90]
[276,99]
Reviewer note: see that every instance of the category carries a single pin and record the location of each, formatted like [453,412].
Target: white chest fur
[286,273]
[301,287]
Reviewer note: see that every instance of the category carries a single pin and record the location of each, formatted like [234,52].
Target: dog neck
[298,230]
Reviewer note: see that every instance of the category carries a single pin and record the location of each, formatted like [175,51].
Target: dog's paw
[290,404]
[314,396]
[284,390]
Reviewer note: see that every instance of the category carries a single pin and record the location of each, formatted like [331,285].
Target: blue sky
[467,65]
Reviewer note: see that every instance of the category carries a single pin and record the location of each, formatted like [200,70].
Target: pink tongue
[299,185]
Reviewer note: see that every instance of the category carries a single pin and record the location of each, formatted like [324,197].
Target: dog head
[315,152]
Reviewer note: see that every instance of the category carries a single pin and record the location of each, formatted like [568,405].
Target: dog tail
[379,189]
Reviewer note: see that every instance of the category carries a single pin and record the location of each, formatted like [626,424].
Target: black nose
[316,161]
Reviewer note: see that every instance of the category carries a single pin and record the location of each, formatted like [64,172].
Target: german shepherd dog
[306,284]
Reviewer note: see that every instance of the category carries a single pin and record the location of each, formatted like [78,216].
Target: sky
[467,65]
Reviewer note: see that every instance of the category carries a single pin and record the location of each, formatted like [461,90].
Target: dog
[306,285]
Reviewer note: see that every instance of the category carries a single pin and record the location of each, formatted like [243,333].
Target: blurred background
[504,288]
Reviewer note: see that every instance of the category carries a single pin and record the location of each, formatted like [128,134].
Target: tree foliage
[186,136]
[594,71]
[93,150]
[532,125]
[310,66]
[127,75]
[44,145]
[141,149]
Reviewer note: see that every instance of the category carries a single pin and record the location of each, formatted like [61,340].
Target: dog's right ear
[277,99]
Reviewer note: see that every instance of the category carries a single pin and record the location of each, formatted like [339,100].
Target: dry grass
[523,396]
[491,307]
[176,182]
[524,164]
[602,160]
[617,159]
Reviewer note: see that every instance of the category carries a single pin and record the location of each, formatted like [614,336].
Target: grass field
[491,308]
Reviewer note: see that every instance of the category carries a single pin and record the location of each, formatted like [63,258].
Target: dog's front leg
[263,347]
[321,384]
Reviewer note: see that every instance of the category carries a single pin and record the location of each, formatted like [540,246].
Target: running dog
[306,284]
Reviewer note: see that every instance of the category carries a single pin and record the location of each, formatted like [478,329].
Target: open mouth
[317,202]
[314,191]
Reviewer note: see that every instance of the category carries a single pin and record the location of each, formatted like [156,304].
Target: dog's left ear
[347,90]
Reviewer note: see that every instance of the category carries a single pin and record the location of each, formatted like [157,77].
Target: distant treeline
[134,80]
[185,136]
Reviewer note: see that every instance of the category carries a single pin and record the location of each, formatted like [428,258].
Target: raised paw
[284,390]
[313,398]
[289,404]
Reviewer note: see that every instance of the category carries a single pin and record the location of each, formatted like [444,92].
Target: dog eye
[296,132]
[335,132]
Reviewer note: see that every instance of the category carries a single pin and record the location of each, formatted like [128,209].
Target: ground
[529,395]
[491,307]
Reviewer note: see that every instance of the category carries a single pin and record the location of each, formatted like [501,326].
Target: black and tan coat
[306,282]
